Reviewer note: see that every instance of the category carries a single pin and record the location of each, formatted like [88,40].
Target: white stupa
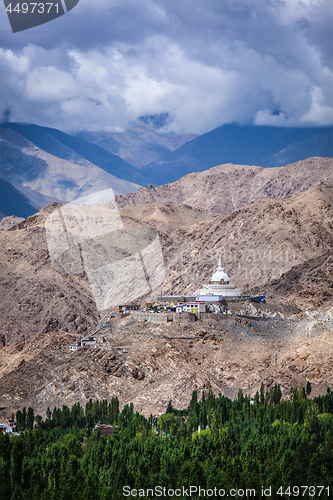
[219,286]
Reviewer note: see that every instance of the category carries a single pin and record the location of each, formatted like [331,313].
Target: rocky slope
[307,285]
[257,243]
[168,361]
[36,299]
[11,221]
[229,187]
[281,246]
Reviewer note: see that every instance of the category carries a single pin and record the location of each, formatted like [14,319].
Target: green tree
[277,394]
[169,408]
[262,394]
[19,420]
[194,399]
[308,388]
[30,419]
[24,417]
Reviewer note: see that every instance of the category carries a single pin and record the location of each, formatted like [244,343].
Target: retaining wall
[176,317]
[150,317]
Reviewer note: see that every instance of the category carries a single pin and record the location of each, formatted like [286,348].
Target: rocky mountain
[10,221]
[245,145]
[168,361]
[38,299]
[43,177]
[281,246]
[19,200]
[141,143]
[75,150]
[229,187]
[257,243]
[310,282]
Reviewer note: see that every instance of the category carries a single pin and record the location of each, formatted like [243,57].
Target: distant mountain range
[19,200]
[141,143]
[47,164]
[76,150]
[243,145]
[36,173]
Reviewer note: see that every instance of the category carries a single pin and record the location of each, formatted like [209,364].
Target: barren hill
[309,283]
[257,243]
[36,299]
[168,361]
[229,187]
[281,246]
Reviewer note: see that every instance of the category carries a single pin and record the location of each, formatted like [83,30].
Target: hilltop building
[219,286]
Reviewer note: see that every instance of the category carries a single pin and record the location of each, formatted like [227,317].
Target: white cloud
[50,84]
[318,112]
[207,65]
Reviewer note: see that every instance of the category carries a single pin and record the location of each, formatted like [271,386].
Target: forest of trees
[270,443]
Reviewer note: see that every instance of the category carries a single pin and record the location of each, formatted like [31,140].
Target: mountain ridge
[257,243]
[140,144]
[50,141]
[225,188]
[25,164]
[287,340]
[249,145]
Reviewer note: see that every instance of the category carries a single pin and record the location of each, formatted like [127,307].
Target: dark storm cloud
[204,62]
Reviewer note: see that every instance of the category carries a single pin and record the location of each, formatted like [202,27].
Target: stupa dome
[220,276]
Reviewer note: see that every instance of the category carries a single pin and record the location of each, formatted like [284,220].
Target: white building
[209,297]
[82,342]
[192,307]
[219,286]
[6,428]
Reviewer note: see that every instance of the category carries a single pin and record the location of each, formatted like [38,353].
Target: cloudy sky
[205,62]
